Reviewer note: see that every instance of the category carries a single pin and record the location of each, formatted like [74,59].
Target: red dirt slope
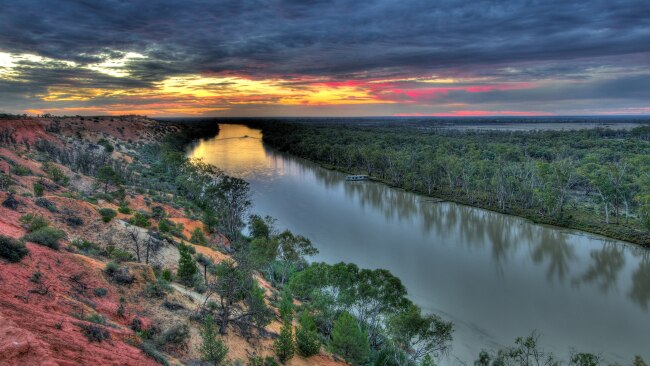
[40,323]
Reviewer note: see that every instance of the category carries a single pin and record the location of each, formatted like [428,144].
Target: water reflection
[496,276]
[640,292]
[605,267]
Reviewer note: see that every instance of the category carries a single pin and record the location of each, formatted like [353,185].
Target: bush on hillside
[119,275]
[33,222]
[20,170]
[46,204]
[47,236]
[107,214]
[38,189]
[12,249]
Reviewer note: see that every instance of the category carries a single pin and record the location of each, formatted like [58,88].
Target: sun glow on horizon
[75,90]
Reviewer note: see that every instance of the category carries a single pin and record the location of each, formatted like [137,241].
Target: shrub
[119,275]
[136,324]
[165,226]
[5,181]
[55,174]
[259,361]
[47,236]
[124,209]
[46,204]
[107,145]
[94,333]
[20,170]
[11,202]
[158,289]
[151,351]
[38,189]
[177,335]
[100,292]
[74,221]
[86,247]
[111,268]
[107,214]
[158,212]
[117,254]
[11,249]
[33,222]
[140,219]
[96,318]
[167,275]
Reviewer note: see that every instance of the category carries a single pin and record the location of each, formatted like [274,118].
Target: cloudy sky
[325,58]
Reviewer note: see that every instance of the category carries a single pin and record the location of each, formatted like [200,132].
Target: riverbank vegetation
[596,180]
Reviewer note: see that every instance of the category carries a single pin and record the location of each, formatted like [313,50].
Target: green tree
[261,228]
[233,202]
[212,348]
[307,340]
[238,290]
[419,335]
[349,340]
[108,176]
[198,237]
[186,265]
[291,252]
[286,305]
[284,346]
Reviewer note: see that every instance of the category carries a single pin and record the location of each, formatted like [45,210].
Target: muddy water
[495,276]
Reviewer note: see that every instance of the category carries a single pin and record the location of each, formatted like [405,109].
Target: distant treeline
[593,179]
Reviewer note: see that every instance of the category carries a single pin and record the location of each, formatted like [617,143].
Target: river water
[496,277]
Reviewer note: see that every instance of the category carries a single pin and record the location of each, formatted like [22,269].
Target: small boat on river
[355,178]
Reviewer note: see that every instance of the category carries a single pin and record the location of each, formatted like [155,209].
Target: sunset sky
[325,58]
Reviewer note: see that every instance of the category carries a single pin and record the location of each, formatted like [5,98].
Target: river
[496,277]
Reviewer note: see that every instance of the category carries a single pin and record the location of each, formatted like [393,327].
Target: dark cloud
[334,39]
[324,37]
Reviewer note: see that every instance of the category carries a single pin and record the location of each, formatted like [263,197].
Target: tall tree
[348,340]
[212,349]
[186,265]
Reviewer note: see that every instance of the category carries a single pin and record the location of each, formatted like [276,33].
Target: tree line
[595,179]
